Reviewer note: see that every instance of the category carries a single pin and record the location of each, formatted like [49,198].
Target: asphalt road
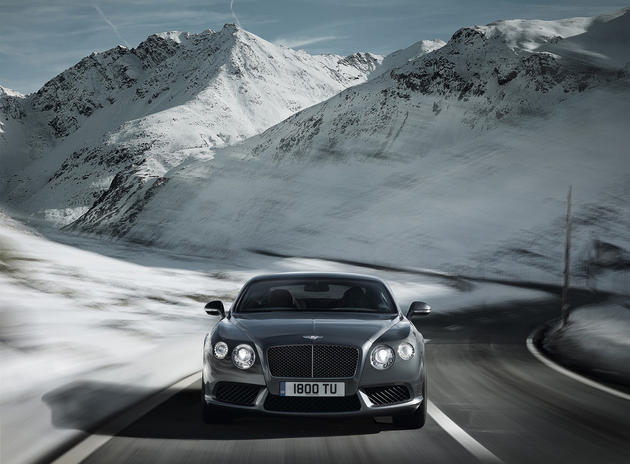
[481,375]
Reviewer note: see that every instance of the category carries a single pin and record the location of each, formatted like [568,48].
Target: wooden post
[567,264]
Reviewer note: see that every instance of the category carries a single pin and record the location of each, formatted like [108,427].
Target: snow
[529,34]
[595,339]
[68,315]
[605,44]
[458,159]
[156,106]
[403,56]
[10,92]
[385,174]
[177,36]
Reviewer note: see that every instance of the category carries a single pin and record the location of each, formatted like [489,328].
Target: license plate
[312,389]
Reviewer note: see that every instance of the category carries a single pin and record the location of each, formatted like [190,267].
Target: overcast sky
[40,38]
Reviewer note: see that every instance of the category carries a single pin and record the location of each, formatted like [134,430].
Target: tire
[211,414]
[214,415]
[416,419]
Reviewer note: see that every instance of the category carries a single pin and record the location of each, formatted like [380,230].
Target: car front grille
[243,394]
[313,361]
[312,404]
[389,394]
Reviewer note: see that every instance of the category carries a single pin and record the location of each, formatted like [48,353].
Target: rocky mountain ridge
[449,155]
[153,106]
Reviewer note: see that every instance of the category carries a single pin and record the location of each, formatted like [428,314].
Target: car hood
[286,329]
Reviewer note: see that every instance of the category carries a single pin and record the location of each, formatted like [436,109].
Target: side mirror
[418,308]
[215,308]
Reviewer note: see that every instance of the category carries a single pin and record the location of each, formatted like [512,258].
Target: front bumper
[358,397]
[366,407]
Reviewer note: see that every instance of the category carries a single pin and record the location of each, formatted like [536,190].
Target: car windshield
[316,294]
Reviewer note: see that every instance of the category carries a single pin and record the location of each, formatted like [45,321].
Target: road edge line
[531,346]
[461,436]
[98,438]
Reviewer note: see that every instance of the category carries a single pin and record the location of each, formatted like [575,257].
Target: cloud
[234,14]
[111,24]
[294,42]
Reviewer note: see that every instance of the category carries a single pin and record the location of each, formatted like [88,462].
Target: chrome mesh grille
[313,361]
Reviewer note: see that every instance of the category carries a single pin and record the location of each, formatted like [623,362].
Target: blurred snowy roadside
[596,340]
[88,328]
[68,315]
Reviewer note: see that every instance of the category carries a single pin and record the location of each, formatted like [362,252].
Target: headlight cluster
[383,356]
[220,350]
[243,356]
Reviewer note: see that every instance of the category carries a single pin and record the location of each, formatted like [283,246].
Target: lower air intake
[312,404]
[243,394]
[390,394]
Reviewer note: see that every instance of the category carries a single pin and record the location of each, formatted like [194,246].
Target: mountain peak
[5,91]
[175,36]
[232,27]
[521,34]
[175,96]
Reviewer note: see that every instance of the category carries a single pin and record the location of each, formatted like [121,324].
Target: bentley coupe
[317,344]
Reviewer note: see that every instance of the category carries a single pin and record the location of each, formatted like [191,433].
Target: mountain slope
[460,159]
[142,111]
[402,57]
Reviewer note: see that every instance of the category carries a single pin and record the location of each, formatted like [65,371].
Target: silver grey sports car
[317,345]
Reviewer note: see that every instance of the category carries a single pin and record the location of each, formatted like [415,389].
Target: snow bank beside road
[596,339]
[83,335]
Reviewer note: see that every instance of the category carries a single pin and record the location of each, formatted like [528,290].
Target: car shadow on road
[87,406]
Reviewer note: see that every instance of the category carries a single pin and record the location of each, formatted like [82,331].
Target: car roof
[313,275]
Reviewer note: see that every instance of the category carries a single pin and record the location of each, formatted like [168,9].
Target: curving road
[502,404]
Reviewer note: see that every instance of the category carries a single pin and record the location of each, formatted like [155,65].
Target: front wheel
[416,419]
[213,414]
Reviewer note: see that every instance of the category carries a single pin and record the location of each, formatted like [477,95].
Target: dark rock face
[474,65]
[154,51]
[11,107]
[363,61]
[80,91]
[119,205]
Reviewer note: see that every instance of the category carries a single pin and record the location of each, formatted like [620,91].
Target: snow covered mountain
[459,159]
[401,57]
[131,114]
[456,156]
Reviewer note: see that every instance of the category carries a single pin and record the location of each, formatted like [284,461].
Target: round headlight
[220,350]
[382,357]
[243,356]
[406,351]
